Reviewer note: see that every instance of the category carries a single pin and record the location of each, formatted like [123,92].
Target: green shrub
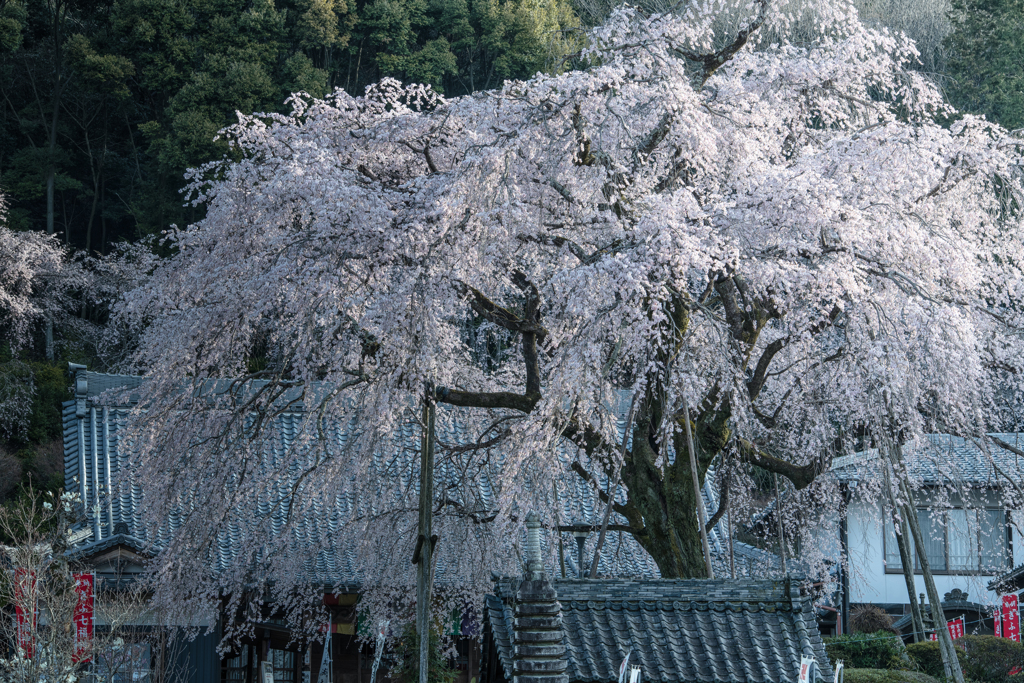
[885,676]
[990,659]
[406,653]
[927,658]
[879,650]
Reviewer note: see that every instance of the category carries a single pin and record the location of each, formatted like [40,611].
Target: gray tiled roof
[905,624]
[677,630]
[1010,582]
[941,458]
[92,446]
[91,548]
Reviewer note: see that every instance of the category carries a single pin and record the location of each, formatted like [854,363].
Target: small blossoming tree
[38,584]
[39,596]
[38,279]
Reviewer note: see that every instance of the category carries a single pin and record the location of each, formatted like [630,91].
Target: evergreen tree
[986,63]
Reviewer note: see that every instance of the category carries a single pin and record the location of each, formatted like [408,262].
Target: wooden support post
[778,519]
[426,539]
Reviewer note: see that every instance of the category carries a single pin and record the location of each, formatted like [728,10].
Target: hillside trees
[106,103]
[40,280]
[458,46]
[781,239]
[986,63]
[65,99]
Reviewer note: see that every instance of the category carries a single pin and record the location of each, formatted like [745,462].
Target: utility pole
[425,541]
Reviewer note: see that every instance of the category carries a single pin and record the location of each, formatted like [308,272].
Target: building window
[284,666]
[122,662]
[237,667]
[957,541]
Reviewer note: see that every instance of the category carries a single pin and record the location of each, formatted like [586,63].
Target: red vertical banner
[85,605]
[1011,618]
[956,628]
[25,610]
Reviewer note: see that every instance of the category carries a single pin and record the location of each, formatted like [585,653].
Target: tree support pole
[907,558]
[425,541]
[778,520]
[732,557]
[558,524]
[902,534]
[950,663]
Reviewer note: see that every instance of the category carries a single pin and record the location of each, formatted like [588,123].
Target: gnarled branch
[711,62]
[801,475]
[483,399]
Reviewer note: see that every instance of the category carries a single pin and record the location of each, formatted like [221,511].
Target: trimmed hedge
[879,650]
[885,676]
[990,659]
[926,655]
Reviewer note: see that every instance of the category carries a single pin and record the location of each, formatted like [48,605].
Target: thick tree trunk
[667,511]
[662,500]
[695,477]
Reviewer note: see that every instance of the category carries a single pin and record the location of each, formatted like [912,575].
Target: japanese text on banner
[26,610]
[1011,618]
[85,585]
[956,628]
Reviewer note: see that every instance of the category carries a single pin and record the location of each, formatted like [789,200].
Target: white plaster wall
[870,583]
[825,537]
